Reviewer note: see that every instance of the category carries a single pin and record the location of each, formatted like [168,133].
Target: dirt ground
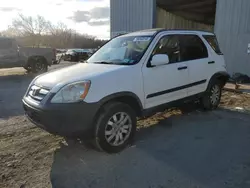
[30,157]
[236,101]
[25,151]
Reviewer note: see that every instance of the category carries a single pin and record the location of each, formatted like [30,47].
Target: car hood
[74,73]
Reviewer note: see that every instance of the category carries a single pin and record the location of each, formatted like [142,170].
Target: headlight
[71,93]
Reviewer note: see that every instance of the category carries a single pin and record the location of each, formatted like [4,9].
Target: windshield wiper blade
[104,62]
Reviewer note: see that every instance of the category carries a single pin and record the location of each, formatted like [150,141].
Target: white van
[132,75]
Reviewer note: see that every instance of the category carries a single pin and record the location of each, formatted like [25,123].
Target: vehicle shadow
[12,89]
[190,149]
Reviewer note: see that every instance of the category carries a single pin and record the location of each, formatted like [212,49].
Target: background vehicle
[59,55]
[133,75]
[32,59]
[76,55]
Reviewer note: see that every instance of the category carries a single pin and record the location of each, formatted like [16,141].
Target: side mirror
[159,59]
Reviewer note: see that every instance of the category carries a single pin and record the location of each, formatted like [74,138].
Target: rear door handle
[211,62]
[182,68]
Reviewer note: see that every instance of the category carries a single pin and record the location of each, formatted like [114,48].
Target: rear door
[217,61]
[195,54]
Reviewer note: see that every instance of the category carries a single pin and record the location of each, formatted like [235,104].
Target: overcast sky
[85,16]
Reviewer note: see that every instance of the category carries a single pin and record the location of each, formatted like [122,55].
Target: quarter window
[212,41]
[192,48]
[169,45]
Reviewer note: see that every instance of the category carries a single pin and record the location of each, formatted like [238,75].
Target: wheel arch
[222,76]
[125,97]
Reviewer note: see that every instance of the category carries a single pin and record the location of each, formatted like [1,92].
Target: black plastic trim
[71,119]
[120,94]
[175,89]
[160,108]
[182,68]
[211,62]
[194,30]
[218,75]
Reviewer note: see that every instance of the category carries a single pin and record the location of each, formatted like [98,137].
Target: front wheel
[115,127]
[212,97]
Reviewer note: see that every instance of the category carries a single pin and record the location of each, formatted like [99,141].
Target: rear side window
[212,41]
[192,48]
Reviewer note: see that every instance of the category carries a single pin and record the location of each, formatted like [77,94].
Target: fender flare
[119,95]
[219,75]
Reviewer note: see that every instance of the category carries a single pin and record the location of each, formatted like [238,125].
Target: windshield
[122,50]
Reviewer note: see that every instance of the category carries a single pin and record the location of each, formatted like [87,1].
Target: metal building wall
[131,15]
[168,20]
[232,27]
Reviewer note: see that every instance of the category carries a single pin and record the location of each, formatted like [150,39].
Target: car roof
[152,32]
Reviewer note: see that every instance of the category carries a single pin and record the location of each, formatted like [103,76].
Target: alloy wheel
[118,129]
[215,94]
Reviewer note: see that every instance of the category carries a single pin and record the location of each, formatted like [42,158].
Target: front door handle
[182,68]
[211,62]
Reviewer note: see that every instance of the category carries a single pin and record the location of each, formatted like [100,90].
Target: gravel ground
[184,148]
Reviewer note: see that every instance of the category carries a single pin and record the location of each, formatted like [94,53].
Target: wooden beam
[203,18]
[202,10]
[193,5]
[175,2]
[196,10]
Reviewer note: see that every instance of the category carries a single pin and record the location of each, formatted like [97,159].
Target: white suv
[130,76]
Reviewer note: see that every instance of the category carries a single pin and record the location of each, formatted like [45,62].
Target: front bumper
[62,119]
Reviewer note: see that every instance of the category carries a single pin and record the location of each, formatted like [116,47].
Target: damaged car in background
[59,55]
[76,55]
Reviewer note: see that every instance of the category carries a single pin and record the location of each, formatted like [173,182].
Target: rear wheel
[212,97]
[39,65]
[115,127]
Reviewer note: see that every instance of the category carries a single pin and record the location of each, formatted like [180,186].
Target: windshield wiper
[105,62]
[109,63]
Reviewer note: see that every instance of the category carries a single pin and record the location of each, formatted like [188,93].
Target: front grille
[37,93]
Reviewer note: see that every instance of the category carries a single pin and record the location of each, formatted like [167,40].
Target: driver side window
[169,45]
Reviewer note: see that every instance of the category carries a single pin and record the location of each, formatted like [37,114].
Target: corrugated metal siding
[232,27]
[131,15]
[168,20]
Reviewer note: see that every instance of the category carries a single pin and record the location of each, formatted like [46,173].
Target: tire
[103,128]
[39,66]
[212,97]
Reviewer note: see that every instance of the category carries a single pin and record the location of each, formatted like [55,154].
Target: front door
[165,83]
